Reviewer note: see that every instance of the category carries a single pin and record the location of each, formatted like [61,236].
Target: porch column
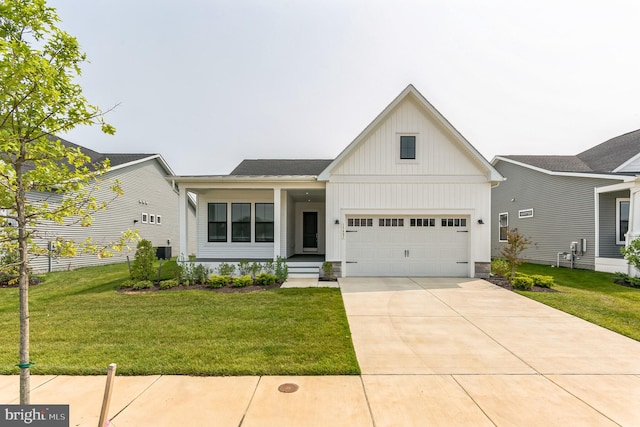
[183,226]
[634,215]
[277,216]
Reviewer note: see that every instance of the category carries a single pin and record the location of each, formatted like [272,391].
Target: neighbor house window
[158,219]
[152,219]
[622,220]
[145,218]
[407,147]
[503,223]
[241,222]
[217,225]
[264,222]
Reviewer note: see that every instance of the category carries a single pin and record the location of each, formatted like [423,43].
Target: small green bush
[626,280]
[168,284]
[127,284]
[255,269]
[542,281]
[219,281]
[201,274]
[143,284]
[282,270]
[225,269]
[500,268]
[244,267]
[142,267]
[522,282]
[242,281]
[266,279]
[269,267]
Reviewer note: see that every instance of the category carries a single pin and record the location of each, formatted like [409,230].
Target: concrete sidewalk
[437,352]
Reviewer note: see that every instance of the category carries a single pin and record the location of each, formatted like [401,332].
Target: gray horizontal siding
[564,211]
[145,190]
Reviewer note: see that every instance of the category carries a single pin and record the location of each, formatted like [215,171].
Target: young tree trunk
[23,282]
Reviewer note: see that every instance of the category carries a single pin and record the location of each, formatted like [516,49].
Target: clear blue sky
[208,83]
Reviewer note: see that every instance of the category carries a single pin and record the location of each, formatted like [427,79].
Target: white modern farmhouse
[410,196]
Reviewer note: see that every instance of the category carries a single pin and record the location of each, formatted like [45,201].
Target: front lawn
[592,296]
[80,324]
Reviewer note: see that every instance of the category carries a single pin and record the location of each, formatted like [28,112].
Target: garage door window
[360,222]
[422,222]
[391,222]
[454,222]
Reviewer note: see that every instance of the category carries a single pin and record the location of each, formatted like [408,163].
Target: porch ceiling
[308,195]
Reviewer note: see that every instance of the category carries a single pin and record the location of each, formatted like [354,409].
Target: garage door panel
[440,249]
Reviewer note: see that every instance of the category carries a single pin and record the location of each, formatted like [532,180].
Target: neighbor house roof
[605,158]
[281,167]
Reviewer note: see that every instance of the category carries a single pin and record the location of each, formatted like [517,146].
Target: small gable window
[407,147]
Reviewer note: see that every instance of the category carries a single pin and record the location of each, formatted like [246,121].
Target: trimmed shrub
[168,284]
[522,282]
[219,281]
[201,274]
[143,284]
[266,279]
[225,269]
[282,270]
[242,281]
[542,281]
[500,268]
[142,267]
[244,267]
[127,284]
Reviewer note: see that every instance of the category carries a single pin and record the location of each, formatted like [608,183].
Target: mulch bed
[504,283]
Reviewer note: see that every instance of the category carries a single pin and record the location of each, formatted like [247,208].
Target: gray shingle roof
[603,158]
[115,158]
[611,154]
[281,167]
[554,163]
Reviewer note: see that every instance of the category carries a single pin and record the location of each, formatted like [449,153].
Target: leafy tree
[516,244]
[38,99]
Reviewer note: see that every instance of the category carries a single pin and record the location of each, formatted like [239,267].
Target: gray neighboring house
[577,210]
[149,204]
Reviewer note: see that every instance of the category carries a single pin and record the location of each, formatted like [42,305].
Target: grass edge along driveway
[80,324]
[592,296]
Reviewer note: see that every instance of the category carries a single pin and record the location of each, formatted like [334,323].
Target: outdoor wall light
[135,221]
[337,222]
[480,221]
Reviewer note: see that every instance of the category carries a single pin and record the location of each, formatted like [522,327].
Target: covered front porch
[245,218]
[617,223]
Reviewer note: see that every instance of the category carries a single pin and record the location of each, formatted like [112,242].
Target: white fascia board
[206,179]
[628,185]
[569,174]
[158,157]
[493,174]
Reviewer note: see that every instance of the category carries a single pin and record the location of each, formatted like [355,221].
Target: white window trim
[618,200]
[145,218]
[152,219]
[158,219]
[499,226]
[521,216]
[397,148]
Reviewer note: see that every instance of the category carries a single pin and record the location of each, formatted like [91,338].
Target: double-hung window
[241,222]
[264,222]
[503,223]
[217,225]
[622,220]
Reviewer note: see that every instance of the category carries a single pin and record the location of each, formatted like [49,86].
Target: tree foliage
[511,251]
[631,253]
[42,180]
[142,268]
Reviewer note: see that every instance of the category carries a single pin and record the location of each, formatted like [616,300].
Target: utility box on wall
[163,252]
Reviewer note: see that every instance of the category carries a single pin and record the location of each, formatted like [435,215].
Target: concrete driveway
[466,352]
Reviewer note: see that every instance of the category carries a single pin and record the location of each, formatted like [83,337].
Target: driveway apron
[453,351]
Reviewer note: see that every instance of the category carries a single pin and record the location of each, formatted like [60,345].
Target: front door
[310,231]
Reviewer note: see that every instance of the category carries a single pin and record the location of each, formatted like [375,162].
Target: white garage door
[407,246]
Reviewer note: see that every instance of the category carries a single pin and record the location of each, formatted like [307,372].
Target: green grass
[80,324]
[592,296]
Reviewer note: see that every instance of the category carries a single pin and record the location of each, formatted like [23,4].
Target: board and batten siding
[563,212]
[443,179]
[229,249]
[145,190]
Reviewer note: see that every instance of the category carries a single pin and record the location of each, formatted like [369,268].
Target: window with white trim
[622,220]
[158,219]
[407,147]
[152,219]
[525,213]
[503,226]
[145,218]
